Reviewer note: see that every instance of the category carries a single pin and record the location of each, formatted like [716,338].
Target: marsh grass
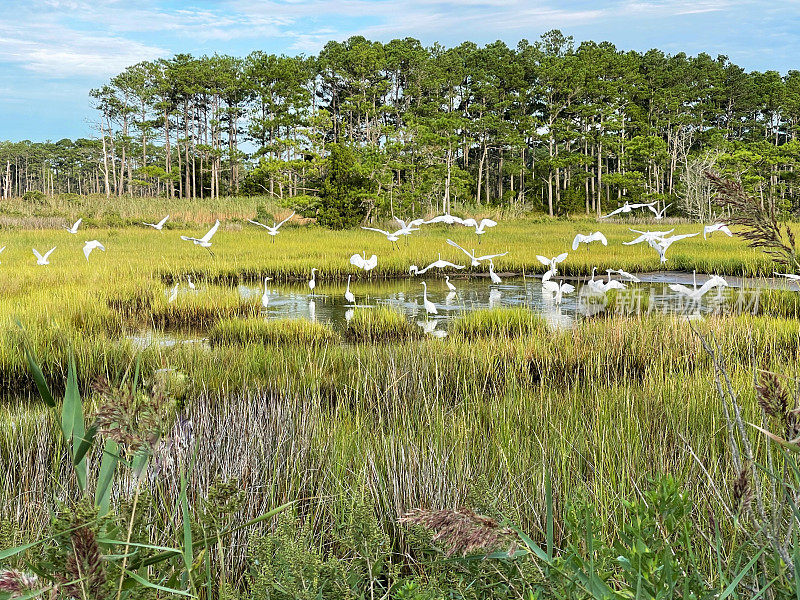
[500,322]
[380,324]
[282,332]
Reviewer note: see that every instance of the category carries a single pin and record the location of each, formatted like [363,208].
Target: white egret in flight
[362,262]
[446,218]
[480,227]
[661,245]
[204,241]
[42,260]
[709,229]
[438,264]
[273,231]
[74,229]
[646,236]
[552,262]
[694,293]
[658,214]
[557,290]
[476,260]
[588,239]
[430,307]
[624,273]
[89,246]
[158,226]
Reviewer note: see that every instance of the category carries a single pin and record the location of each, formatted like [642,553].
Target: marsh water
[326,304]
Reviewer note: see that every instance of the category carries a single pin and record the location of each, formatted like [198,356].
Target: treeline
[548,124]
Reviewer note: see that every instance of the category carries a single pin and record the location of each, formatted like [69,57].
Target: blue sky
[52,52]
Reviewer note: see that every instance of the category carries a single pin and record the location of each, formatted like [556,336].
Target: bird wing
[487,223]
[547,275]
[162,221]
[543,259]
[490,256]
[257,223]
[613,212]
[1,249]
[357,260]
[76,224]
[188,239]
[567,288]
[452,243]
[577,241]
[87,250]
[724,229]
[36,254]
[715,281]
[675,238]
[284,221]
[469,222]
[597,236]
[207,237]
[49,252]
[550,286]
[682,289]
[560,257]
[386,233]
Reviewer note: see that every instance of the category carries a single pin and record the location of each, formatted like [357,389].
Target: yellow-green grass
[132,276]
[255,330]
[379,324]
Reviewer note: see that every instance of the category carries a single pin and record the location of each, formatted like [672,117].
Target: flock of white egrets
[660,241]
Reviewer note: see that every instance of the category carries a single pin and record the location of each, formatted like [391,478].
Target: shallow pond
[327,303]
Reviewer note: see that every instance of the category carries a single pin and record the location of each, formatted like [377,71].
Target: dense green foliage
[553,125]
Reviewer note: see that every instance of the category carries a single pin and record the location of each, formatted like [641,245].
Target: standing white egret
[552,262]
[174,293]
[273,231]
[312,283]
[492,275]
[205,241]
[157,226]
[348,295]
[43,260]
[430,307]
[89,246]
[362,262]
[588,239]
[450,286]
[74,229]
[190,282]
[265,295]
[709,229]
[595,285]
[476,260]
